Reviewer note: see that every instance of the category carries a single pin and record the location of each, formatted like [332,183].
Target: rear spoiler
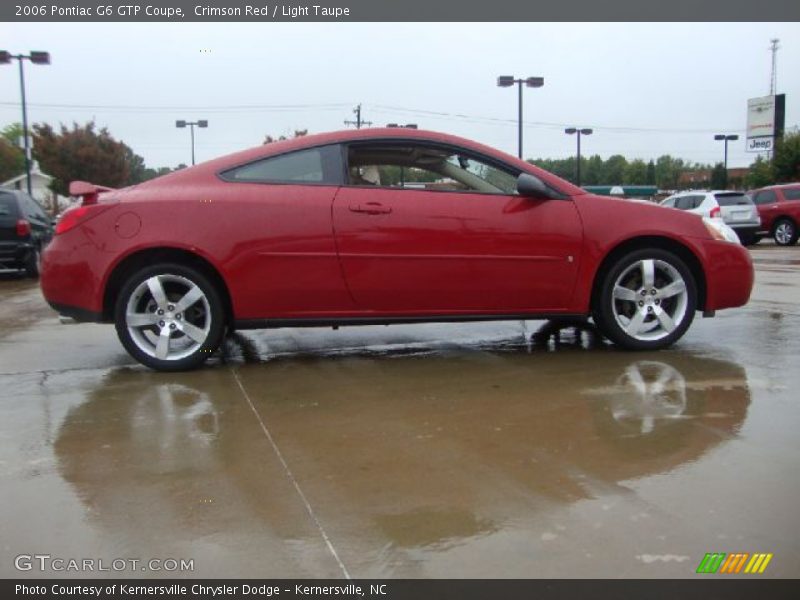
[87,191]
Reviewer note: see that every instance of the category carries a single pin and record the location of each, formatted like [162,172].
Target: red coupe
[378,226]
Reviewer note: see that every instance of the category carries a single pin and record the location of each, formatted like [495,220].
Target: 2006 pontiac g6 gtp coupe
[378,226]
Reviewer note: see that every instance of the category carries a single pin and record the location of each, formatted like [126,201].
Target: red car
[779,209]
[378,226]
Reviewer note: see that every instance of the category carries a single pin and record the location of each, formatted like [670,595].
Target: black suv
[25,228]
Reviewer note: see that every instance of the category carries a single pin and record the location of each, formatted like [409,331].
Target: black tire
[785,232]
[211,308]
[32,262]
[747,239]
[607,307]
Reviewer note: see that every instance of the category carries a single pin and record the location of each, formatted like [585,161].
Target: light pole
[191,124]
[37,58]
[510,80]
[580,132]
[721,137]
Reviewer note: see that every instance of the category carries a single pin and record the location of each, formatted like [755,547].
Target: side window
[422,167]
[315,165]
[765,197]
[697,201]
[793,194]
[670,202]
[684,202]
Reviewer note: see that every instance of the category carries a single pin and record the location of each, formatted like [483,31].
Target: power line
[358,122]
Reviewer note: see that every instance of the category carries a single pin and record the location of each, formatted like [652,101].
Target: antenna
[773,81]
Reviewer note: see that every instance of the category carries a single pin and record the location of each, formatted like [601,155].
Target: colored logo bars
[720,562]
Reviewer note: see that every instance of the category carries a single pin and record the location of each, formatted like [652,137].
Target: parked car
[735,208]
[25,229]
[320,230]
[779,208]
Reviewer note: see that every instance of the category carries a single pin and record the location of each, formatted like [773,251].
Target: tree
[668,172]
[635,172]
[650,178]
[615,170]
[760,174]
[12,158]
[268,139]
[81,153]
[719,177]
[786,159]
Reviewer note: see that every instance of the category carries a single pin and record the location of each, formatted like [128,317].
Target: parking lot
[482,450]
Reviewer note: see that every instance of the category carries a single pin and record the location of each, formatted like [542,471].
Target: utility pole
[773,80]
[358,122]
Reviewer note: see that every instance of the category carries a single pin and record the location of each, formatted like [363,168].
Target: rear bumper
[71,277]
[729,274]
[77,313]
[14,254]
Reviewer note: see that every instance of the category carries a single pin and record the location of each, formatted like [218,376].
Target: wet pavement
[482,450]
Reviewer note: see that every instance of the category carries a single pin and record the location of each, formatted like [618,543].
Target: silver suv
[735,208]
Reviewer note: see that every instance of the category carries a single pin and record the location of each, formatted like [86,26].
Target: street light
[38,58]
[580,132]
[508,81]
[721,137]
[191,124]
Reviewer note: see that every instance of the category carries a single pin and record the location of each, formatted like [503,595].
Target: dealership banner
[703,588]
[765,122]
[406,11]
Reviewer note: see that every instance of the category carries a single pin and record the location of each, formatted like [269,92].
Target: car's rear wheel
[785,233]
[169,317]
[33,262]
[646,300]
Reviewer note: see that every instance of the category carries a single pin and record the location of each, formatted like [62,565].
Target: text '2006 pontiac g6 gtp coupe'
[378,226]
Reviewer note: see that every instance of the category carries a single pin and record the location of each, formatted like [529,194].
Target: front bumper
[729,274]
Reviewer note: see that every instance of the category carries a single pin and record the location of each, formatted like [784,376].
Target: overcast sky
[646,89]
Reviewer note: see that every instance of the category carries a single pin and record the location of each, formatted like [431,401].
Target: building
[40,188]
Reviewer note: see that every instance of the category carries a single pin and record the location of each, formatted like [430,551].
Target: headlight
[720,231]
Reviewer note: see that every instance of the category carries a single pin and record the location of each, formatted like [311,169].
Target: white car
[736,209]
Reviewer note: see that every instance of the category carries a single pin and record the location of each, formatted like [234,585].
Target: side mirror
[533,187]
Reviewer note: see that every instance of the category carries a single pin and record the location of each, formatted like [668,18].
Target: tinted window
[669,202]
[765,197]
[315,165]
[732,199]
[685,202]
[8,205]
[793,194]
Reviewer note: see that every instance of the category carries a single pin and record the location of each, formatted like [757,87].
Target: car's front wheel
[785,233]
[646,300]
[169,317]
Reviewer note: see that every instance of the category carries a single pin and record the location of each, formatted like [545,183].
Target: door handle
[371,208]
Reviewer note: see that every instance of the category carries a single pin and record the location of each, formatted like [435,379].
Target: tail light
[77,216]
[23,228]
[715,212]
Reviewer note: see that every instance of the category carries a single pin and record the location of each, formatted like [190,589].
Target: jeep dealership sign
[765,119]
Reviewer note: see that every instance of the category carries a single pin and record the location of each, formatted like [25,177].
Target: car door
[435,247]
[282,260]
[768,207]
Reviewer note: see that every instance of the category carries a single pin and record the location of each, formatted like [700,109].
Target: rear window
[793,194]
[732,199]
[8,205]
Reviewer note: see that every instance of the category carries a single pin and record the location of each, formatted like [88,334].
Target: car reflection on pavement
[401,453]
